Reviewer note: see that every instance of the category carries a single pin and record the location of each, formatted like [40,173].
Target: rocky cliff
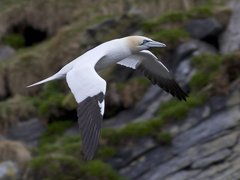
[147,134]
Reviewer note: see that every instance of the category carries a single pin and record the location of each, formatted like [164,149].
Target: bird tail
[54,77]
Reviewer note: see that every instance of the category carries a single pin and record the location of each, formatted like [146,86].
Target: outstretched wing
[89,90]
[149,65]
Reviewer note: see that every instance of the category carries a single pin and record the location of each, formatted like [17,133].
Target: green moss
[69,102]
[14,40]
[208,67]
[50,99]
[17,108]
[106,152]
[175,109]
[149,26]
[54,131]
[171,37]
[207,62]
[172,17]
[100,170]
[164,138]
[195,99]
[55,167]
[199,80]
[200,12]
[140,129]
[111,135]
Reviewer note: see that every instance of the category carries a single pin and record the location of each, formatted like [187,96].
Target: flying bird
[89,88]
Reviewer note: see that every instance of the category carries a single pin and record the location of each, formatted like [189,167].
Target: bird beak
[155,44]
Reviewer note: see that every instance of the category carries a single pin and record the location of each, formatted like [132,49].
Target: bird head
[139,43]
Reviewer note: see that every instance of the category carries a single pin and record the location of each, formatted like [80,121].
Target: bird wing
[89,90]
[149,65]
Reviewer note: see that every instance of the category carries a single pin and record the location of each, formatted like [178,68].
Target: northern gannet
[89,88]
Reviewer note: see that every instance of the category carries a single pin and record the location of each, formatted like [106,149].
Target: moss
[69,102]
[17,108]
[196,99]
[106,152]
[54,131]
[175,109]
[200,12]
[139,129]
[172,17]
[132,91]
[208,68]
[171,37]
[55,167]
[164,138]
[14,40]
[50,99]
[207,62]
[100,170]
[111,135]
[149,26]
[199,80]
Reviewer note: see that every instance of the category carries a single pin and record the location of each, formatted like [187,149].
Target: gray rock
[28,132]
[161,171]
[232,173]
[212,172]
[230,39]
[183,54]
[8,171]
[206,149]
[234,96]
[218,156]
[186,49]
[6,52]
[183,175]
[73,130]
[127,154]
[146,162]
[218,103]
[203,28]
[184,73]
[205,131]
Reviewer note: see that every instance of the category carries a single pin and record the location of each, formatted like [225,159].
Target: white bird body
[89,88]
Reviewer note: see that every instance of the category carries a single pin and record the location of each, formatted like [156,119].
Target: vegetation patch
[208,66]
[55,167]
[175,109]
[14,40]
[15,109]
[50,99]
[54,131]
[178,19]
[132,130]
[98,169]
[164,138]
[172,37]
[132,91]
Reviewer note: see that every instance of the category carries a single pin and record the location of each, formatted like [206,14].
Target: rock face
[229,41]
[28,132]
[206,146]
[203,28]
[6,52]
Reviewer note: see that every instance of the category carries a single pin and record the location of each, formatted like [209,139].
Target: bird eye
[145,41]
